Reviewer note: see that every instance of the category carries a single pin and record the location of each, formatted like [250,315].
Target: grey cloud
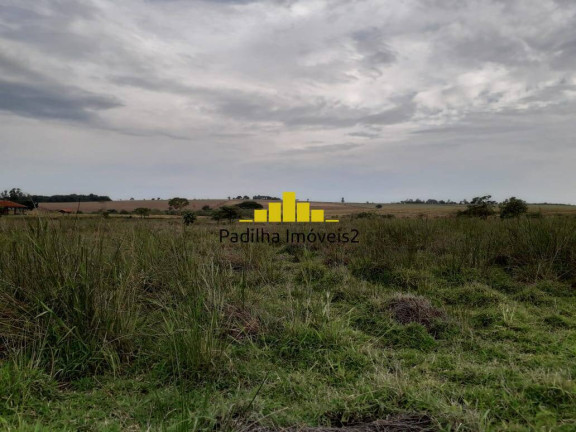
[369,135]
[373,47]
[329,148]
[54,103]
[257,107]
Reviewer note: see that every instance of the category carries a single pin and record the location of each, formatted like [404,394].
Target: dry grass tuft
[240,323]
[409,308]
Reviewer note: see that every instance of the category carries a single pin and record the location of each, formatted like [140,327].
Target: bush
[188,217]
[250,205]
[226,212]
[512,208]
[142,212]
[479,207]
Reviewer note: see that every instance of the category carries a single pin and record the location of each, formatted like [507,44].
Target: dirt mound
[407,308]
[407,423]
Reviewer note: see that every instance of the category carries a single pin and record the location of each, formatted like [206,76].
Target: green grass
[128,324]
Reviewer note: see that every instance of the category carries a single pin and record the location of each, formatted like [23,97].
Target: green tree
[512,208]
[188,217]
[16,195]
[142,212]
[479,207]
[226,212]
[178,203]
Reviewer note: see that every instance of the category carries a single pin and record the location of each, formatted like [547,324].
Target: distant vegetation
[265,197]
[69,198]
[430,201]
[513,208]
[479,207]
[178,203]
[18,196]
[249,205]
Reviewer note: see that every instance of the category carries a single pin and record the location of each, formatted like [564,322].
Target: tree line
[31,201]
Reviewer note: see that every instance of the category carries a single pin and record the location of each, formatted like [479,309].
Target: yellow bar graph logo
[289,211]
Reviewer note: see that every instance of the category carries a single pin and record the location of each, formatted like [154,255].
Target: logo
[288,211]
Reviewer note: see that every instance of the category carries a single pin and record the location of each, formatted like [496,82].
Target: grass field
[446,324]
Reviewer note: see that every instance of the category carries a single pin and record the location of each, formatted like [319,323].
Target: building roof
[10,204]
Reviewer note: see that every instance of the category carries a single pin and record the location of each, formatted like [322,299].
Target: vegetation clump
[178,203]
[250,205]
[481,207]
[513,208]
[188,217]
[408,308]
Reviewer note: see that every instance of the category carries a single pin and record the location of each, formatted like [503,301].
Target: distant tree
[206,207]
[479,207]
[178,203]
[131,199]
[188,217]
[512,208]
[16,195]
[226,212]
[246,197]
[342,200]
[265,197]
[378,206]
[239,197]
[142,212]
[249,205]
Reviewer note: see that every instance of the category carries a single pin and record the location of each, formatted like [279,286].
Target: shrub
[512,208]
[142,212]
[188,217]
[479,207]
[250,205]
[226,212]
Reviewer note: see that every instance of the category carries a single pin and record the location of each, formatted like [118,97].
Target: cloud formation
[427,98]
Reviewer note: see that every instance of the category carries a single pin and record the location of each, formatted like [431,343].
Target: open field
[440,324]
[332,209]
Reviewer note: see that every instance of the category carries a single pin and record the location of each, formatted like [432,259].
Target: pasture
[451,324]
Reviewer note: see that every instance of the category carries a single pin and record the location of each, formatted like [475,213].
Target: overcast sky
[377,100]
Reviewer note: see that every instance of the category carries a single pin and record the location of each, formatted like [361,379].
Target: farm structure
[6,206]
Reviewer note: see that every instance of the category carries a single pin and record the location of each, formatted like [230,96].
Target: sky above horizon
[363,99]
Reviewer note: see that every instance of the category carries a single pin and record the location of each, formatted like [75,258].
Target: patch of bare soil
[405,423]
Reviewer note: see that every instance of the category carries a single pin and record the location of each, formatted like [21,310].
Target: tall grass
[97,297]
